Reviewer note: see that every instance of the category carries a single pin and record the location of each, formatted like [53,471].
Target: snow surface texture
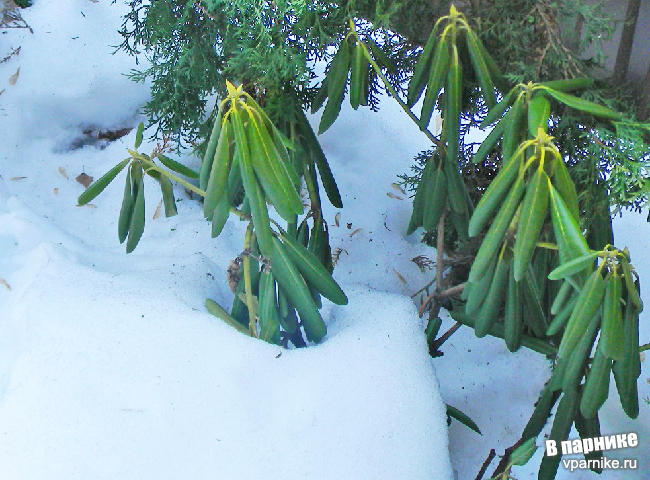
[111,368]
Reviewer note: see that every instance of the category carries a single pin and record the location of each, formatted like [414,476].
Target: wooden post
[627,39]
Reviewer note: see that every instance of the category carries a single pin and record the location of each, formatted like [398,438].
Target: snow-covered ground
[110,367]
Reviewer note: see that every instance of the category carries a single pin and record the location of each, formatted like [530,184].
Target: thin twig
[440,246]
[424,288]
[486,464]
[443,338]
[450,292]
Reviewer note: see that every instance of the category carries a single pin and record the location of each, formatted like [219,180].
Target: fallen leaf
[398,188]
[84,179]
[63,173]
[336,219]
[14,78]
[392,195]
[13,179]
[4,282]
[88,205]
[157,212]
[437,122]
[402,279]
[356,231]
[56,191]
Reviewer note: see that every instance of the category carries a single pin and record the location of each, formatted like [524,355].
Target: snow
[110,366]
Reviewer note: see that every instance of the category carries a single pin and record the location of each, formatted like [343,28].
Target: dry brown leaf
[336,219]
[356,231]
[84,179]
[56,191]
[392,195]
[13,179]
[63,173]
[14,78]
[398,188]
[401,279]
[4,282]
[156,214]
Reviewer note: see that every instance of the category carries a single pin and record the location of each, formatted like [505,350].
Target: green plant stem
[248,286]
[645,347]
[393,93]
[171,176]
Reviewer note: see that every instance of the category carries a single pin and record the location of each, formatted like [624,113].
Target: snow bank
[108,374]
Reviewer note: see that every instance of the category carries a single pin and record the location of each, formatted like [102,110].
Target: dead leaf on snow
[14,78]
[56,191]
[84,179]
[392,195]
[401,279]
[398,188]
[356,231]
[156,214]
[63,173]
[336,219]
[13,179]
[4,282]
[88,205]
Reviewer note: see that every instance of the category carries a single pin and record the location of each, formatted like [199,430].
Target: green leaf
[588,304]
[313,271]
[329,183]
[215,309]
[177,167]
[496,113]
[437,74]
[138,135]
[294,287]
[480,67]
[358,75]
[533,212]
[559,432]
[435,196]
[252,188]
[337,79]
[539,111]
[98,187]
[168,196]
[453,99]
[421,71]
[596,388]
[523,452]
[453,412]
[272,172]
[564,185]
[493,197]
[492,241]
[569,85]
[573,266]
[206,165]
[584,105]
[571,242]
[487,145]
[217,184]
[126,211]
[137,219]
